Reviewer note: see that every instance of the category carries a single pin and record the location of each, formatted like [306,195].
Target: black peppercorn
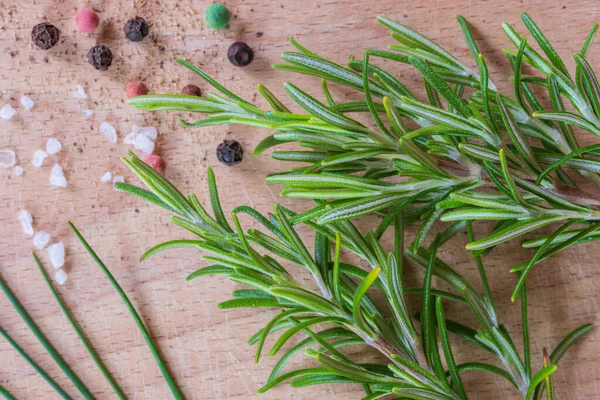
[230,152]
[240,54]
[191,90]
[136,29]
[45,35]
[100,57]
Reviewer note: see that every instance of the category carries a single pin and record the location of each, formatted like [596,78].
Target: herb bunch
[263,260]
[466,153]
[451,158]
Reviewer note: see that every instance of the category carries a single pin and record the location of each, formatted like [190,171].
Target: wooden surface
[205,348]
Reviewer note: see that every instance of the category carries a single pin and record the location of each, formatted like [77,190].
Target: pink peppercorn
[87,20]
[136,89]
[156,162]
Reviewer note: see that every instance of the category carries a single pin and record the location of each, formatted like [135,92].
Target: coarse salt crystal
[130,138]
[7,112]
[18,170]
[60,277]
[80,92]
[143,143]
[27,103]
[149,131]
[7,158]
[106,177]
[118,178]
[109,131]
[56,253]
[88,113]
[26,219]
[41,239]
[53,146]
[57,178]
[38,158]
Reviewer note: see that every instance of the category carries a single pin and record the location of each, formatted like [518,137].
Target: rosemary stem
[162,366]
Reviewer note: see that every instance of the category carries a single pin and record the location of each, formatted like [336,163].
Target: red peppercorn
[156,162]
[87,20]
[136,89]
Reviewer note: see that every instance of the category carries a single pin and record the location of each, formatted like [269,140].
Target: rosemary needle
[35,366]
[45,342]
[134,314]
[79,332]
[6,393]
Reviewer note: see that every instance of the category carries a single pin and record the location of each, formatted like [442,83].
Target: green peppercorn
[217,16]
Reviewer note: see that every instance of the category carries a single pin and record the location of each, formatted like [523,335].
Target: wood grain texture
[204,347]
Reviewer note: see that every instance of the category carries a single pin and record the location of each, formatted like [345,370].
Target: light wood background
[205,348]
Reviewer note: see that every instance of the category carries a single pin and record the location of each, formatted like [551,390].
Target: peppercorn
[156,162]
[240,54]
[87,20]
[191,90]
[217,16]
[45,35]
[100,57]
[230,152]
[136,29]
[136,89]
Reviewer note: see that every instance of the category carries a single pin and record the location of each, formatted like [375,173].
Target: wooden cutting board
[204,347]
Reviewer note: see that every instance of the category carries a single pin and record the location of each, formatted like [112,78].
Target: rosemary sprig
[415,368]
[465,154]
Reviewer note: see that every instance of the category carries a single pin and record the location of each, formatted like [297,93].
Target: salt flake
[26,220]
[41,239]
[56,253]
[143,143]
[38,158]
[27,103]
[7,158]
[7,112]
[57,178]
[109,131]
[18,170]
[53,146]
[80,92]
[87,113]
[60,277]
[106,177]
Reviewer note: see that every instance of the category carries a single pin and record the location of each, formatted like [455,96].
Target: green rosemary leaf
[321,379]
[454,372]
[557,104]
[538,378]
[410,392]
[134,314]
[143,194]
[591,82]
[210,270]
[482,214]
[306,299]
[569,341]
[512,231]
[363,206]
[113,384]
[544,44]
[349,370]
[172,244]
[464,25]
[475,366]
[215,202]
[430,76]
[361,290]
[45,342]
[369,100]
[250,302]
[35,366]
[567,117]
[300,326]
[518,139]
[300,372]
[275,103]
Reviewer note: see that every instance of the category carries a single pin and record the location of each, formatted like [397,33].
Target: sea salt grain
[27,103]
[87,113]
[18,170]
[106,177]
[26,219]
[149,131]
[38,158]
[130,138]
[53,146]
[7,158]
[7,112]
[57,178]
[143,143]
[80,92]
[60,277]
[56,253]
[109,131]
[41,239]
